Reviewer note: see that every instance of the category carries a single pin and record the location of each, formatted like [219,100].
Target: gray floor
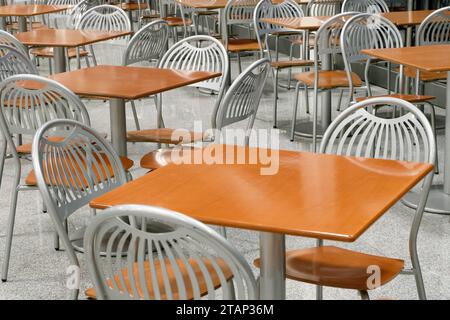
[37,271]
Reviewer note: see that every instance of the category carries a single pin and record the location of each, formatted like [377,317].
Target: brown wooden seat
[177,21]
[132,6]
[198,274]
[34,25]
[164,135]
[47,52]
[291,63]
[207,13]
[413,98]
[425,76]
[337,267]
[241,45]
[26,147]
[328,79]
[127,163]
[162,157]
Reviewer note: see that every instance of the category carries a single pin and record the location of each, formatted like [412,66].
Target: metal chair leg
[135,116]
[275,98]
[239,63]
[306,99]
[294,111]
[319,292]
[364,295]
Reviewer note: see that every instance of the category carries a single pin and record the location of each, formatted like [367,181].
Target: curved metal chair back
[237,12]
[323,7]
[77,11]
[8,39]
[61,19]
[148,44]
[365,6]
[199,53]
[106,18]
[435,29]
[13,61]
[267,9]
[242,98]
[367,31]
[195,257]
[360,133]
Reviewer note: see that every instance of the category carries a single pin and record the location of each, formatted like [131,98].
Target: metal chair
[147,45]
[371,31]
[76,168]
[8,39]
[239,12]
[191,261]
[317,8]
[285,9]
[321,80]
[196,53]
[365,6]
[240,103]
[23,111]
[358,132]
[107,18]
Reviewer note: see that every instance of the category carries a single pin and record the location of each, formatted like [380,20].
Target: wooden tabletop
[407,18]
[426,58]
[312,195]
[220,4]
[28,10]
[304,23]
[128,82]
[66,37]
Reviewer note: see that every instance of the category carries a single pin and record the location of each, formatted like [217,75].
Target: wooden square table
[427,58]
[310,195]
[22,11]
[59,39]
[120,83]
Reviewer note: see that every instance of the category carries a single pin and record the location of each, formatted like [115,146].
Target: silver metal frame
[324,7]
[186,244]
[357,131]
[365,6]
[8,39]
[50,101]
[72,172]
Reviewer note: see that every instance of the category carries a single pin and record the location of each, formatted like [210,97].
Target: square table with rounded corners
[22,11]
[426,58]
[59,39]
[119,84]
[302,194]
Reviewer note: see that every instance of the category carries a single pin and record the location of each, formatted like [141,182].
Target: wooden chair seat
[177,21]
[198,274]
[34,25]
[300,41]
[207,13]
[337,267]
[132,6]
[148,15]
[47,52]
[328,79]
[425,76]
[162,157]
[241,45]
[290,64]
[412,98]
[127,163]
[164,135]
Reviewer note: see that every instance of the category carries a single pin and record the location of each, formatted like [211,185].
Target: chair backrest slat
[435,29]
[365,6]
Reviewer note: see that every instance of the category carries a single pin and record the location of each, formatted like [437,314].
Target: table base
[438,201]
[118,126]
[272,284]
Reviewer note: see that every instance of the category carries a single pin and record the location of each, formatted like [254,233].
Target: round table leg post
[22,24]
[60,59]
[273,266]
[118,126]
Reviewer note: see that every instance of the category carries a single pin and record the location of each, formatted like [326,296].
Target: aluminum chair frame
[323,7]
[266,9]
[8,39]
[186,242]
[148,44]
[365,6]
[408,132]
[60,189]
[49,102]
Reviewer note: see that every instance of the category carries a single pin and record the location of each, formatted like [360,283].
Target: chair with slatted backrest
[73,164]
[190,261]
[329,8]
[285,9]
[365,6]
[107,18]
[146,46]
[239,13]
[371,31]
[8,39]
[196,53]
[240,104]
[359,132]
[26,103]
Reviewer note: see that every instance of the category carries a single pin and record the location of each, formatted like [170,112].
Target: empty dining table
[277,193]
[433,59]
[59,39]
[120,84]
[24,11]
